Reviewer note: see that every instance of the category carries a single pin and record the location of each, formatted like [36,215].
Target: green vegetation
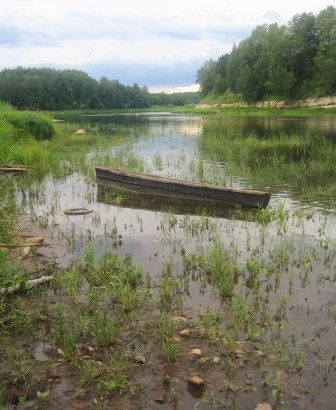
[23,124]
[218,267]
[49,89]
[286,62]
[20,133]
[285,159]
[111,332]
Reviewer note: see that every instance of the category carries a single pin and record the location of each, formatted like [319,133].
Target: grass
[285,159]
[219,267]
[23,124]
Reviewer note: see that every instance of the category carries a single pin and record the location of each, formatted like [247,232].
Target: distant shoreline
[323,102]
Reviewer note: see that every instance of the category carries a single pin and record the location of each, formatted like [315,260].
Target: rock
[80,405]
[196,352]
[260,353]
[185,332]
[26,251]
[140,359]
[196,381]
[97,365]
[232,387]
[298,392]
[204,360]
[239,353]
[79,132]
[216,359]
[161,398]
[248,389]
[324,102]
[263,406]
[34,241]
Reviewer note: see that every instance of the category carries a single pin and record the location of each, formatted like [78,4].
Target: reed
[302,161]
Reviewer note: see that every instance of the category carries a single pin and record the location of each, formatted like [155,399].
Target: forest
[292,61]
[50,89]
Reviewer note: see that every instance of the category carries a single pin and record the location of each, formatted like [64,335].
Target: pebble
[239,353]
[263,406]
[203,360]
[26,251]
[196,381]
[196,352]
[35,241]
[161,398]
[140,359]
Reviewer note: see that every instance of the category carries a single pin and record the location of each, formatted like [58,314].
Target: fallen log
[29,284]
[12,169]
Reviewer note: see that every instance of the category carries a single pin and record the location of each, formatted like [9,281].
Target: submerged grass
[304,162]
[218,265]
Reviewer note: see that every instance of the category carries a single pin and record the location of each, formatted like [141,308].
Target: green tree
[325,58]
[206,77]
[303,44]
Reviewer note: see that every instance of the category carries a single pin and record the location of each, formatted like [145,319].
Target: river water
[303,288]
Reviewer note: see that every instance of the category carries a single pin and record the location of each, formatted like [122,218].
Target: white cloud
[163,36]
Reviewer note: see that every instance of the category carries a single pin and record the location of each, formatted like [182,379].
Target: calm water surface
[304,290]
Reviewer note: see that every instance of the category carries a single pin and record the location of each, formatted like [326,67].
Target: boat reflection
[114,193]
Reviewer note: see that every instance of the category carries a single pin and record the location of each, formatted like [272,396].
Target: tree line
[50,89]
[291,61]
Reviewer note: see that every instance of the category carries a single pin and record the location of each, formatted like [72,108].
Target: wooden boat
[183,190]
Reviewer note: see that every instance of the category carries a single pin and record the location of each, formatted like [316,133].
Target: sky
[153,43]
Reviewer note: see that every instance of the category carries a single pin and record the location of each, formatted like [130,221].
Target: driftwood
[12,169]
[34,241]
[29,284]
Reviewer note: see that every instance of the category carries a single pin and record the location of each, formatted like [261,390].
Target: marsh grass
[302,161]
[172,287]
[167,338]
[218,265]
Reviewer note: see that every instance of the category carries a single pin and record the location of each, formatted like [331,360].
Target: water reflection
[111,192]
[261,126]
[266,126]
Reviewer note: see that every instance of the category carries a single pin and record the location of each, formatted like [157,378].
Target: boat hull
[183,190]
